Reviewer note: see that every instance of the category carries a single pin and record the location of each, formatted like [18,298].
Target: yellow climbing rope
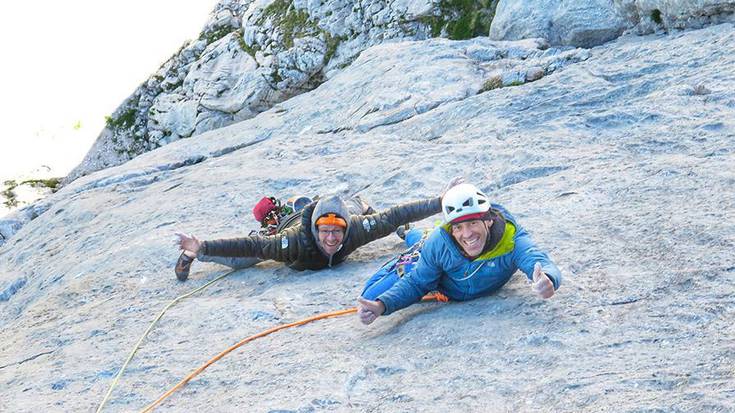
[150,327]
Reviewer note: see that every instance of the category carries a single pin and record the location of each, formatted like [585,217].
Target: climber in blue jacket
[473,254]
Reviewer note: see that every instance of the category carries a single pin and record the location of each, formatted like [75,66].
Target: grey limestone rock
[567,22]
[8,291]
[250,56]
[618,161]
[593,22]
[648,16]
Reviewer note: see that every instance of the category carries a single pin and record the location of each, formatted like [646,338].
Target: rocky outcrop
[254,54]
[567,22]
[14,221]
[648,16]
[592,23]
[618,159]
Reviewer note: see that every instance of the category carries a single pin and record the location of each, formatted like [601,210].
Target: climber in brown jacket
[325,236]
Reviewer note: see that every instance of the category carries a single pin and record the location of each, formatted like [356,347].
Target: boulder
[567,22]
[648,16]
[593,22]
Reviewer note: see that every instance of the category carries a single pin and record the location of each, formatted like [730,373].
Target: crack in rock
[13,288]
[17,363]
[517,177]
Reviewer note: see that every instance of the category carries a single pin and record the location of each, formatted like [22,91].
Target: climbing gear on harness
[429,297]
[408,258]
[274,215]
[269,211]
[297,203]
[263,208]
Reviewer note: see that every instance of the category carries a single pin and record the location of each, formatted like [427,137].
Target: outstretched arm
[281,247]
[409,289]
[189,244]
[414,285]
[368,228]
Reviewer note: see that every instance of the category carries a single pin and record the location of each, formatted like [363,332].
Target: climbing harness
[405,262]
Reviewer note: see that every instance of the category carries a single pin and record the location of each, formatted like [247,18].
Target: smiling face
[330,238]
[471,235]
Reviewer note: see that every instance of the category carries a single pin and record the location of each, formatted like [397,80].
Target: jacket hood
[329,205]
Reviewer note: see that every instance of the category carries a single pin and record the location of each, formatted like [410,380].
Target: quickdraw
[406,261]
[272,221]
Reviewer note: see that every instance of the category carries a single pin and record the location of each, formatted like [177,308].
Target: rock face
[568,22]
[254,54]
[618,159]
[594,22]
[656,15]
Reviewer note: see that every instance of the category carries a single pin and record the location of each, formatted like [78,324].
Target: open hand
[542,285]
[188,243]
[369,310]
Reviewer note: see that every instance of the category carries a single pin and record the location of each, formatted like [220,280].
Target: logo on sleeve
[284,242]
[366,224]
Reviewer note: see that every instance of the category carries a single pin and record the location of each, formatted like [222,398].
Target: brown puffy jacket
[297,246]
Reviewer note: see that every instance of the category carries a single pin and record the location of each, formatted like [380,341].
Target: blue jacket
[442,267]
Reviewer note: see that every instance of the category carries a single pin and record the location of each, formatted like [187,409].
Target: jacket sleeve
[283,247]
[368,228]
[414,285]
[526,254]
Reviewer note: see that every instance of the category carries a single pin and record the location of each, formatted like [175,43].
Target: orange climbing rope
[430,297]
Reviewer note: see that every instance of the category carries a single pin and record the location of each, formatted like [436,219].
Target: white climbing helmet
[464,202]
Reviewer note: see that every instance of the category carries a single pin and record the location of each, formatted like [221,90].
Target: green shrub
[276,77]
[11,199]
[332,43]
[244,46]
[293,23]
[51,183]
[494,82]
[216,33]
[462,19]
[656,16]
[124,121]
